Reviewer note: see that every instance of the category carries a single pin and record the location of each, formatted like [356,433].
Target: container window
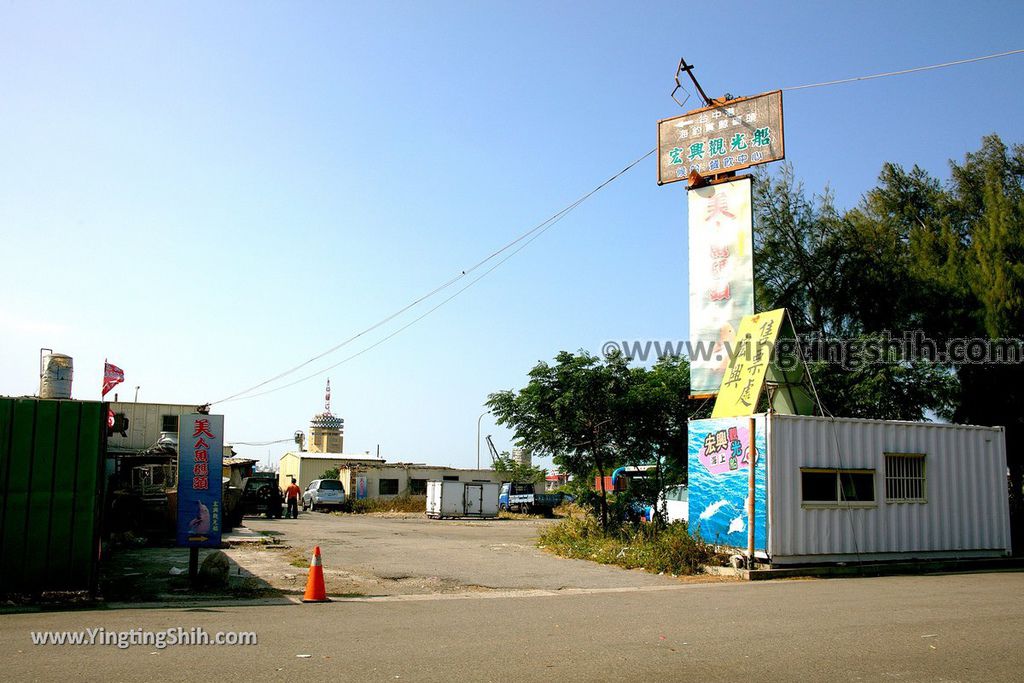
[170,423]
[835,486]
[417,487]
[904,478]
[387,487]
[451,477]
[818,487]
[857,487]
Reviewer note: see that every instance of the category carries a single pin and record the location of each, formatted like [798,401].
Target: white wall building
[851,490]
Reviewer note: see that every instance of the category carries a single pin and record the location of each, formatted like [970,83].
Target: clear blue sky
[210,193]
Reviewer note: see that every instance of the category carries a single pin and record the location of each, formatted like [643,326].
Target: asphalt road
[415,554]
[932,628]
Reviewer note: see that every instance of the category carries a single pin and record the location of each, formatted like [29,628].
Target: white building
[366,480]
[850,490]
[305,467]
[146,421]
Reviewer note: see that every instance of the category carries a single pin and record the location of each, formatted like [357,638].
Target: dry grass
[668,550]
[398,504]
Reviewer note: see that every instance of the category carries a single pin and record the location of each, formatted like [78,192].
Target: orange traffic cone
[315,591]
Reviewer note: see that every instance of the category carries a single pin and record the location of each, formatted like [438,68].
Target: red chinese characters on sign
[201,468]
[718,206]
[718,291]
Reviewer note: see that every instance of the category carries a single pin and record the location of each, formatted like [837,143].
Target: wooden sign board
[725,137]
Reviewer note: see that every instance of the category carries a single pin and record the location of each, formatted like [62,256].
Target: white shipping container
[462,499]
[833,490]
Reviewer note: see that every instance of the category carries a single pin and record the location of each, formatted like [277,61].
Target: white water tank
[55,372]
[522,456]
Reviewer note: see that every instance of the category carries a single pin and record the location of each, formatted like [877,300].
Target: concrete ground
[403,554]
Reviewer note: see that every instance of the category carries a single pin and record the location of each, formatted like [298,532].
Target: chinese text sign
[719,481]
[725,137]
[721,277]
[752,354]
[200,472]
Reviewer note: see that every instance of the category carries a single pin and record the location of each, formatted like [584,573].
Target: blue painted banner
[718,473]
[200,473]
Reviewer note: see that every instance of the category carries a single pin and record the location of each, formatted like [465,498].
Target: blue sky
[210,193]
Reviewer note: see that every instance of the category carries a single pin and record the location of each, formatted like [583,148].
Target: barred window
[904,478]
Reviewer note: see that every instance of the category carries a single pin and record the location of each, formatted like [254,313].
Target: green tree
[593,415]
[513,470]
[845,278]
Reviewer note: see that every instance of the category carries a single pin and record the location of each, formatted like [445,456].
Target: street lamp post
[478,437]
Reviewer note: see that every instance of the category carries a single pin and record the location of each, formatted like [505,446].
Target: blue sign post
[200,472]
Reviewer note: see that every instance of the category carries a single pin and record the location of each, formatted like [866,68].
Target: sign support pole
[193,566]
[751,481]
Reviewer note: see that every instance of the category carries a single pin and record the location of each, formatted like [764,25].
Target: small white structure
[389,480]
[304,466]
[147,423]
[462,499]
[834,490]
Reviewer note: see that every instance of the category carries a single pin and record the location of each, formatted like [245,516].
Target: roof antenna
[688,68]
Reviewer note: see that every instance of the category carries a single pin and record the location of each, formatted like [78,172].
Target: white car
[322,493]
[677,503]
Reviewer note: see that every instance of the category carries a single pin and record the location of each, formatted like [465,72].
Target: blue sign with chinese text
[719,481]
[200,473]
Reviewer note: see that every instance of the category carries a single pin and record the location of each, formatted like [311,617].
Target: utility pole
[478,437]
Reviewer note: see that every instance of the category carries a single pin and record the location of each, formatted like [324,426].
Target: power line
[905,71]
[529,236]
[260,443]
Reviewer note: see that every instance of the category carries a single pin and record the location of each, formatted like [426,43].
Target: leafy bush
[668,549]
[399,504]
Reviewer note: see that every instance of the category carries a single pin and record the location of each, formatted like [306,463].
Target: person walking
[292,495]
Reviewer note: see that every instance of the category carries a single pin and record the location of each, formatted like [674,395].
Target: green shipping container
[52,456]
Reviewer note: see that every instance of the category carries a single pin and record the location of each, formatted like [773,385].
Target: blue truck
[521,497]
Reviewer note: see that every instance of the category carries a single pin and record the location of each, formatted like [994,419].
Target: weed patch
[669,550]
[398,504]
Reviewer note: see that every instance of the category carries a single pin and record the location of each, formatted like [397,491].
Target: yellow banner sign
[744,376]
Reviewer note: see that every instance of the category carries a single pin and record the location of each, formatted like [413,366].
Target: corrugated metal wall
[51,460]
[967,505]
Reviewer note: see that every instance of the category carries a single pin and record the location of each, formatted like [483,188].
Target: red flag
[112,376]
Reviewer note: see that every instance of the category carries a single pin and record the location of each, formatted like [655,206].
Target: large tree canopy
[593,415]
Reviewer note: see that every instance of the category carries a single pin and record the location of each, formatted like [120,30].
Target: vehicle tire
[503,508]
[312,506]
[304,506]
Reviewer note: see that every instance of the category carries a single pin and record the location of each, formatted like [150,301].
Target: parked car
[261,495]
[323,493]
